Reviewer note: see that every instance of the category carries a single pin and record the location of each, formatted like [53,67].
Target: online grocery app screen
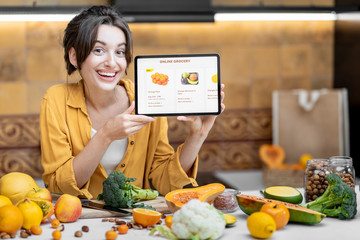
[173,85]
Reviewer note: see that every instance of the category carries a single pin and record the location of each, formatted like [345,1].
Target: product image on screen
[177,85]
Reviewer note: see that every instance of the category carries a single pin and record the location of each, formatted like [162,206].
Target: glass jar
[343,166]
[315,182]
[226,202]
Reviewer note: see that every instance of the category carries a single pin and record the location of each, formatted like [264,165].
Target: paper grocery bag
[315,122]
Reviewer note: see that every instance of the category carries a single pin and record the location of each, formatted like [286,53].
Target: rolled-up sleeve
[56,150]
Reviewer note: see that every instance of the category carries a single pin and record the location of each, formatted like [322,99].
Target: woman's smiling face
[106,63]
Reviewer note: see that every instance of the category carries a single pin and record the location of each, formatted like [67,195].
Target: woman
[88,129]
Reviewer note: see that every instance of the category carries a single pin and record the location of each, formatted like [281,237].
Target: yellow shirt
[65,130]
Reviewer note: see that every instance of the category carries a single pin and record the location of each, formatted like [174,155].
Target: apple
[278,212]
[68,208]
[40,193]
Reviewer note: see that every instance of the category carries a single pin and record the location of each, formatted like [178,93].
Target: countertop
[329,228]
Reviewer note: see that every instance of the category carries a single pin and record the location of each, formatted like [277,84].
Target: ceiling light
[275,16]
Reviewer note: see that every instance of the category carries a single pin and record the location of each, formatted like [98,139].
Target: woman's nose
[110,60]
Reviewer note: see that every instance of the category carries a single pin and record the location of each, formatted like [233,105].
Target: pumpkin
[272,155]
[177,198]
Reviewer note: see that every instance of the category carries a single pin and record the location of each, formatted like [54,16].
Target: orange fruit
[56,235]
[304,158]
[11,219]
[168,221]
[145,217]
[55,223]
[31,212]
[123,229]
[36,230]
[278,212]
[4,200]
[111,235]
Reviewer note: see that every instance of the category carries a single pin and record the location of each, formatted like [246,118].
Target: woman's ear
[72,57]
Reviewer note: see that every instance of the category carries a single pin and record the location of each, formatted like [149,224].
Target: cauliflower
[197,220]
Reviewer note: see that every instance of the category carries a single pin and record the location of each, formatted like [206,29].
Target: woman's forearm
[85,163]
[190,150]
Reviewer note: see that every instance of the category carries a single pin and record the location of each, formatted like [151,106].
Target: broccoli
[119,192]
[338,200]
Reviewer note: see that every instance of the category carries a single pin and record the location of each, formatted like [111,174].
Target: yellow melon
[16,185]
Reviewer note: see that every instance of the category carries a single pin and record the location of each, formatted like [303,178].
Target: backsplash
[256,58]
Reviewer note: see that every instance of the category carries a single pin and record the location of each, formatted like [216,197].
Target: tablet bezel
[177,56]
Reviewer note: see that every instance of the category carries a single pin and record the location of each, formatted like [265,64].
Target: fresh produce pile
[160,79]
[24,205]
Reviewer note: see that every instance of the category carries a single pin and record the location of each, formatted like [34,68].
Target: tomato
[278,212]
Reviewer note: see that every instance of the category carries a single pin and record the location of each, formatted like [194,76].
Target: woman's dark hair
[81,33]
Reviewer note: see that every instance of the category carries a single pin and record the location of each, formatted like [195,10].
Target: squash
[177,198]
[272,155]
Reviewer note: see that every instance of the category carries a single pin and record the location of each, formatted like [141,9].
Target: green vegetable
[164,231]
[120,193]
[338,200]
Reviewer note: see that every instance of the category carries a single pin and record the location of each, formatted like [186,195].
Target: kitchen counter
[249,183]
[329,228]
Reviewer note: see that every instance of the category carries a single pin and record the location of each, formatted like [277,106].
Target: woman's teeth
[106,74]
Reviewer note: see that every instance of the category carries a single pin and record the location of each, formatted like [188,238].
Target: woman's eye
[121,52]
[98,50]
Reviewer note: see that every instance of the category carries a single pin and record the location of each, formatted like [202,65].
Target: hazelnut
[85,228]
[78,234]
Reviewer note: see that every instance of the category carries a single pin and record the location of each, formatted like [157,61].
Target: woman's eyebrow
[104,43]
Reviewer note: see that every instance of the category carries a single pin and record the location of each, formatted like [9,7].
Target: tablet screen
[177,85]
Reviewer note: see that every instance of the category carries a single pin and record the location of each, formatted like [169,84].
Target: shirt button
[123,165]
[132,143]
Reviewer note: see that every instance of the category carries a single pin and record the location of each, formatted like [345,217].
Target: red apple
[68,208]
[40,193]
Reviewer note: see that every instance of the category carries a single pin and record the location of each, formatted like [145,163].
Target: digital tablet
[177,85]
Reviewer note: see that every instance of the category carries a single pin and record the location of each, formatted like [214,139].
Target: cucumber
[249,204]
[284,193]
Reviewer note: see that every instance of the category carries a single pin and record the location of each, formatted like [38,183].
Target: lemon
[4,200]
[261,225]
[214,78]
[304,158]
[31,212]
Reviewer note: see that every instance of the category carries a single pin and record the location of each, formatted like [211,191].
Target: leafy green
[338,200]
[120,193]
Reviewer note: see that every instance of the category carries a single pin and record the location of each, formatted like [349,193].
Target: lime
[284,193]
[261,225]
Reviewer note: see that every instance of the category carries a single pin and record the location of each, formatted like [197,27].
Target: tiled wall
[256,58]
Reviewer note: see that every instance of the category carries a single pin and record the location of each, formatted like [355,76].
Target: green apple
[185,75]
[39,193]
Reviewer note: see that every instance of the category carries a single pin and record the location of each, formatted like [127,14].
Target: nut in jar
[315,178]
[343,166]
